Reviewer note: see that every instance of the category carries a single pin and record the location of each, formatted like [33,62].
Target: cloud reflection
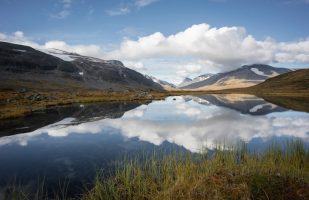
[185,123]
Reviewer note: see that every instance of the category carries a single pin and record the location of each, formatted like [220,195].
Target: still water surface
[70,144]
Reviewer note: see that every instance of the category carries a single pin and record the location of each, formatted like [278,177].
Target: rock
[22,90]
[30,97]
[37,97]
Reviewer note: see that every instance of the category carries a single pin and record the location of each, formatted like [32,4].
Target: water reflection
[244,103]
[80,112]
[192,122]
[73,142]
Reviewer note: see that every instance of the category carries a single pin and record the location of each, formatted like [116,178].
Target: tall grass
[279,173]
[17,191]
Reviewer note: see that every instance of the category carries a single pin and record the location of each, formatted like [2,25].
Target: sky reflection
[193,123]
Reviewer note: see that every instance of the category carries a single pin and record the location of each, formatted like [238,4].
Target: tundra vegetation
[280,172]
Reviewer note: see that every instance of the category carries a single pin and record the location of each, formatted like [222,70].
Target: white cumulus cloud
[226,45]
[196,50]
[211,49]
[19,38]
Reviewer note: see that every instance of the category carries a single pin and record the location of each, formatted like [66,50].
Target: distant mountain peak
[188,81]
[244,76]
[166,85]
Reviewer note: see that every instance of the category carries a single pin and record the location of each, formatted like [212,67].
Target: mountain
[166,85]
[245,76]
[30,68]
[201,78]
[188,81]
[291,82]
[185,82]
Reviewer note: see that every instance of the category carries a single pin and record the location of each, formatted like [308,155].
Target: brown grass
[236,174]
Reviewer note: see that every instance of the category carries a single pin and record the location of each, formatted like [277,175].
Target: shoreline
[238,173]
[14,104]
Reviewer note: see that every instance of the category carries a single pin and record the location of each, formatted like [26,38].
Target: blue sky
[109,24]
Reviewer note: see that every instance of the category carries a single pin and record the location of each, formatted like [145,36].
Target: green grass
[280,172]
[233,174]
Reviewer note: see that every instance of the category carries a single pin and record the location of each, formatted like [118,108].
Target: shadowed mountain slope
[24,66]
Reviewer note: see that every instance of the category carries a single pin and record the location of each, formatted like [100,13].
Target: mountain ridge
[188,81]
[19,63]
[244,76]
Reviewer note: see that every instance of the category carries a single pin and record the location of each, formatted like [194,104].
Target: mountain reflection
[244,103]
[192,122]
[80,112]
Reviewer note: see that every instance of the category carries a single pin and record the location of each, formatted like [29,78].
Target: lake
[68,145]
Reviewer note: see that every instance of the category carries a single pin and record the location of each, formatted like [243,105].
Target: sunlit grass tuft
[279,173]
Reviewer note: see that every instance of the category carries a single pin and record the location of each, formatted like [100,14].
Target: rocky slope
[23,66]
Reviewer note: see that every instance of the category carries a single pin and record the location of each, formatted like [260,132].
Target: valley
[33,80]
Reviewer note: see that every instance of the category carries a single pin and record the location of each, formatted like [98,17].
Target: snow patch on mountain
[166,85]
[58,53]
[258,72]
[67,56]
[201,78]
[188,81]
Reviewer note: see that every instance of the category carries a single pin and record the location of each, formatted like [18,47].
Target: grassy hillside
[289,90]
[291,82]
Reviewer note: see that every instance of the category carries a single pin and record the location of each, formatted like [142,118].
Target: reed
[278,173]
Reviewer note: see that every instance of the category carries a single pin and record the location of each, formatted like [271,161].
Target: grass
[225,173]
[233,174]
[14,104]
[17,191]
